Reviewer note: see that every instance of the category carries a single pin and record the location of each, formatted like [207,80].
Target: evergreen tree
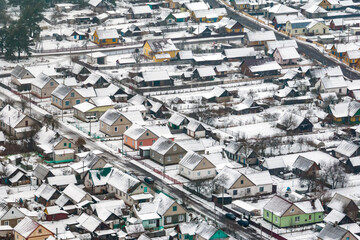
[17,41]
[3,35]
[31,15]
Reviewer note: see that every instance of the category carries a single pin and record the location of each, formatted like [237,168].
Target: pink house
[286,55]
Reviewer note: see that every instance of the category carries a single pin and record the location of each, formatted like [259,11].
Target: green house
[209,232]
[346,112]
[283,213]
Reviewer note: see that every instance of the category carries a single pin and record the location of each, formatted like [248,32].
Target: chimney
[313,203]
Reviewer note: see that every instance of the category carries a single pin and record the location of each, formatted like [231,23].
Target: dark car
[230,216]
[243,222]
[149,180]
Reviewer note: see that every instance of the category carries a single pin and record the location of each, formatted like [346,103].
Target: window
[114,39]
[152,221]
[64,144]
[180,157]
[115,129]
[347,238]
[297,219]
[152,154]
[67,103]
[174,208]
[295,31]
[39,231]
[120,119]
[248,190]
[175,148]
[126,127]
[181,218]
[145,189]
[242,182]
[276,219]
[261,189]
[204,163]
[103,40]
[72,94]
[188,172]
[309,217]
[292,210]
[169,158]
[181,169]
[198,174]
[6,223]
[102,125]
[153,141]
[26,123]
[69,145]
[267,214]
[168,219]
[209,172]
[56,100]
[51,84]
[147,134]
[108,128]
[141,143]
[77,101]
[235,192]
[320,216]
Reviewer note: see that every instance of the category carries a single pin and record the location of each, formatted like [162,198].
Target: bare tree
[334,174]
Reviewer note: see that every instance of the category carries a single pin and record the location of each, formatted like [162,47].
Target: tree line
[16,35]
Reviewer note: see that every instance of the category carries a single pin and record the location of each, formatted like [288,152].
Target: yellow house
[234,27]
[352,57]
[105,37]
[28,229]
[94,109]
[329,4]
[317,28]
[160,47]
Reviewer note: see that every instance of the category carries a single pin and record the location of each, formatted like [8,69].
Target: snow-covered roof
[163,203]
[45,191]
[334,216]
[345,109]
[333,82]
[191,160]
[107,34]
[303,163]
[84,107]
[106,208]
[41,80]
[92,79]
[210,13]
[193,125]
[51,210]
[281,9]
[260,178]
[41,171]
[86,92]
[299,83]
[206,231]
[122,181]
[193,6]
[26,226]
[75,193]
[344,47]
[19,72]
[145,9]
[355,161]
[94,3]
[88,223]
[240,52]
[11,116]
[353,54]
[215,92]
[332,232]
[274,163]
[188,228]
[315,9]
[147,211]
[227,177]
[206,71]
[290,120]
[308,207]
[339,202]
[328,71]
[278,205]
[62,180]
[232,147]
[162,45]
[192,144]
[150,76]
[61,91]
[347,148]
[261,36]
[162,145]
[262,65]
[287,53]
[186,55]
[137,99]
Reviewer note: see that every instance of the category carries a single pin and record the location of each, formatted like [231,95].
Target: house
[260,67]
[316,12]
[79,72]
[239,54]
[95,180]
[275,166]
[76,35]
[286,55]
[159,46]
[90,224]
[218,95]
[233,26]
[156,78]
[98,5]
[279,9]
[330,4]
[240,4]
[166,152]
[195,129]
[195,6]
[115,123]
[352,57]
[131,31]
[96,81]
[221,70]
[306,27]
[28,229]
[286,92]
[336,232]
[353,164]
[70,197]
[137,136]
[170,211]
[62,181]
[54,147]
[209,59]
[238,184]
[16,123]
[43,85]
[304,166]
[105,37]
[46,195]
[89,161]
[128,188]
[110,212]
[181,17]
[13,175]
[340,49]
[204,73]
[186,230]
[346,112]
[247,106]
[140,11]
[158,109]
[336,217]
[337,24]
[300,85]
[64,97]
[259,38]
[54,213]
[205,231]
[11,215]
[185,55]
[201,31]
[209,15]
[96,58]
[177,121]
[94,109]
[241,153]
[147,214]
[283,213]
[280,21]
[22,78]
[344,205]
[293,123]
[346,150]
[196,167]
[271,46]
[41,173]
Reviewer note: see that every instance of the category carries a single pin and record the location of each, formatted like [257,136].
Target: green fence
[59,161]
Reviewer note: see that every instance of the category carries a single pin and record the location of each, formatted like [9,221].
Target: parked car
[230,216]
[243,222]
[149,180]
